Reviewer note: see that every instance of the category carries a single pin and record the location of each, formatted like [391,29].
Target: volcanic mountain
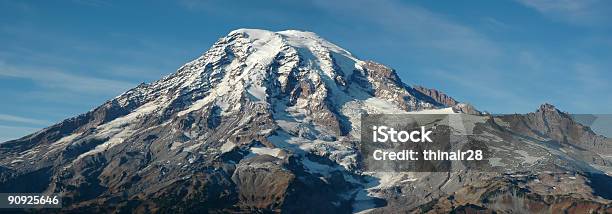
[270,121]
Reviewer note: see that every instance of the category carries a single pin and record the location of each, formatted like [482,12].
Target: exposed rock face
[446,100]
[262,173]
[438,96]
[269,122]
[549,122]
[385,84]
[466,109]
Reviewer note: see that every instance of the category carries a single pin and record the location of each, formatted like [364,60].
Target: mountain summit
[255,92]
[262,121]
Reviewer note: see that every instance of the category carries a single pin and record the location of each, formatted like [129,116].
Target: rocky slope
[437,95]
[269,121]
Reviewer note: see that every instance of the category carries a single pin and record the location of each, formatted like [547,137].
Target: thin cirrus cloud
[417,24]
[583,12]
[54,79]
[19,119]
[19,126]
[13,132]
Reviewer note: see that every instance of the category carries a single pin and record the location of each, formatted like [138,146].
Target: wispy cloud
[495,24]
[93,3]
[19,119]
[13,132]
[418,25]
[590,76]
[490,88]
[51,78]
[583,12]
[576,81]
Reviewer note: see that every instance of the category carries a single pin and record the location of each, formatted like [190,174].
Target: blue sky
[60,59]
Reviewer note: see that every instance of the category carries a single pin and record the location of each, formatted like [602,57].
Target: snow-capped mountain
[269,121]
